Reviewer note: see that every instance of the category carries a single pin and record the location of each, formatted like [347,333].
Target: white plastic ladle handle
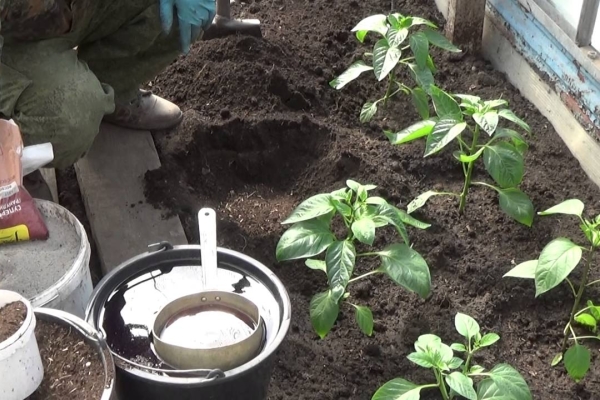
[207,225]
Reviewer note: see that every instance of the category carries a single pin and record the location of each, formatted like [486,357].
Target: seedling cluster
[334,231]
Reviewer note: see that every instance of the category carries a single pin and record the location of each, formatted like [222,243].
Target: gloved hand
[193,15]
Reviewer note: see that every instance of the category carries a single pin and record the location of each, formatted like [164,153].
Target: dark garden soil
[263,130]
[12,317]
[69,196]
[72,369]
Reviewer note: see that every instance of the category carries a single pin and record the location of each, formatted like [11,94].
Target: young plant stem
[441,384]
[363,276]
[390,87]
[465,191]
[582,285]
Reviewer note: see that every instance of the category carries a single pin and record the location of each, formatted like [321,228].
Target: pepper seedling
[503,150]
[388,53]
[312,234]
[556,262]
[454,377]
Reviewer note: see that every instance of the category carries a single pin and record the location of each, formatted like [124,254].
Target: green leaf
[394,20]
[594,310]
[408,220]
[509,383]
[324,310]
[385,58]
[375,200]
[510,116]
[374,23]
[310,208]
[364,318]
[569,207]
[458,347]
[504,163]
[304,239]
[392,216]
[364,230]
[316,265]
[462,385]
[577,361]
[467,159]
[525,270]
[356,187]
[517,205]
[423,76]
[398,389]
[420,48]
[395,36]
[422,359]
[557,359]
[488,339]
[420,200]
[469,99]
[431,64]
[340,260]
[367,112]
[466,326]
[342,208]
[445,105]
[407,268]
[421,102]
[423,21]
[556,262]
[411,133]
[350,74]
[455,363]
[444,132]
[496,103]
[439,40]
[517,140]
[488,121]
[476,369]
[587,320]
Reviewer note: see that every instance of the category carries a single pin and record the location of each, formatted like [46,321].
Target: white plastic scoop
[207,226]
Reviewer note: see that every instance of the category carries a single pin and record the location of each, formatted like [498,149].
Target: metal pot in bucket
[211,329]
[125,305]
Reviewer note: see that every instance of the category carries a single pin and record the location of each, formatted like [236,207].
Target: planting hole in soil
[72,368]
[12,317]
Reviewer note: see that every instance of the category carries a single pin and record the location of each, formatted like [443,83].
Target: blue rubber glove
[193,15]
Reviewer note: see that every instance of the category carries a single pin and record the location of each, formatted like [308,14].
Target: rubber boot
[146,112]
[37,186]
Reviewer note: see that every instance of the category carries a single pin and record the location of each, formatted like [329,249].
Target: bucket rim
[79,262]
[106,287]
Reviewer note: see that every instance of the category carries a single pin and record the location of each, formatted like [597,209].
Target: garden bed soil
[263,131]
[12,316]
[73,369]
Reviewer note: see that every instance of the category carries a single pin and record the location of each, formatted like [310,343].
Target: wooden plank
[465,22]
[49,175]
[587,22]
[111,181]
[504,57]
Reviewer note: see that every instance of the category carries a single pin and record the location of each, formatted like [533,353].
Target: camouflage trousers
[59,94]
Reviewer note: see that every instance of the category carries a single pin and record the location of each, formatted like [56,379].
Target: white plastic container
[21,369]
[53,273]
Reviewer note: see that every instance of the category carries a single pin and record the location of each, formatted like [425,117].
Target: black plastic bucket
[124,303]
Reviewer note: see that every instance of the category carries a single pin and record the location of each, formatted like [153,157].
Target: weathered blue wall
[577,88]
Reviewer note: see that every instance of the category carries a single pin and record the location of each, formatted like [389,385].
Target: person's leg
[53,97]
[125,48]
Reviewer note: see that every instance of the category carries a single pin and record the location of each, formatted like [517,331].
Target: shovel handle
[224,8]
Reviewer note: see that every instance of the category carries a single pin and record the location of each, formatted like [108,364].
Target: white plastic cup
[21,369]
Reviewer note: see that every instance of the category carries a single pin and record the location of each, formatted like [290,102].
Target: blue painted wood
[542,50]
